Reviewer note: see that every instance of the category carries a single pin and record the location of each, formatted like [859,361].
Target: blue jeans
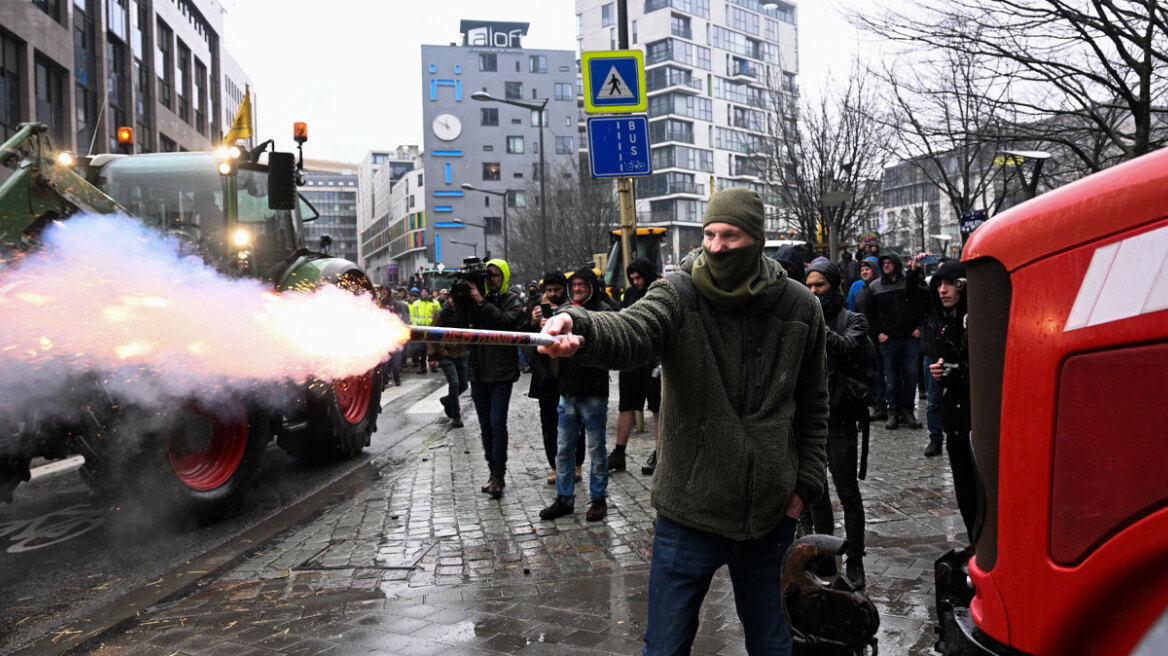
[933,405]
[901,358]
[395,364]
[455,370]
[491,401]
[592,411]
[683,564]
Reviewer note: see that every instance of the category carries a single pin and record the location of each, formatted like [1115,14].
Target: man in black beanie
[744,411]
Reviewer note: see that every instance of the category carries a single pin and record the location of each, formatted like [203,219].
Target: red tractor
[1068,338]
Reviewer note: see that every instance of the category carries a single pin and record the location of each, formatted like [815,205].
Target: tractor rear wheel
[197,463]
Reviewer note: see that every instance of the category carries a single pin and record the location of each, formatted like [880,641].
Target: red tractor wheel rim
[353,396]
[214,465]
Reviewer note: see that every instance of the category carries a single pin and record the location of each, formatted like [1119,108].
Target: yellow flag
[241,127]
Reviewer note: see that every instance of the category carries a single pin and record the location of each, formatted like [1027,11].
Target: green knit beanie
[738,207]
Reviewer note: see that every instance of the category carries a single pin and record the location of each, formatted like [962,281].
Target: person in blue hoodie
[868,268]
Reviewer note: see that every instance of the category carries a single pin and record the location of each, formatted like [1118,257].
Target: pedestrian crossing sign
[614,81]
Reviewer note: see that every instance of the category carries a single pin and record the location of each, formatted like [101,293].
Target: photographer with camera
[481,300]
[951,348]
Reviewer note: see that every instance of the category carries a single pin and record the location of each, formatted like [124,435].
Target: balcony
[746,124]
[743,70]
[673,79]
[668,188]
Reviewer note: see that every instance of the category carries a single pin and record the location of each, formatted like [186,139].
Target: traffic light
[126,140]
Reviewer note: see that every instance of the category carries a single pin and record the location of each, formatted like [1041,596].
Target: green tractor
[240,212]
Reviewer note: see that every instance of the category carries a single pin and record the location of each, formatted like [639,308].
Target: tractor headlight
[66,159]
[241,238]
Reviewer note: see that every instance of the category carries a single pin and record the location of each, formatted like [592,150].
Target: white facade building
[708,64]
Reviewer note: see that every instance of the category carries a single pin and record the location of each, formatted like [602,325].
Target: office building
[710,70]
[377,174]
[331,188]
[493,146]
[87,67]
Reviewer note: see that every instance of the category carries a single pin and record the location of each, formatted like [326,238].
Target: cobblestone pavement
[420,562]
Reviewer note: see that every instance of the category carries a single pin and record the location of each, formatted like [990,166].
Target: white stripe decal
[1090,287]
[1124,280]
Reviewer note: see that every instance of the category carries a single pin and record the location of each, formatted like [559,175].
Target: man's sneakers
[597,510]
[456,421]
[616,460]
[445,401]
[558,509]
[650,465]
[934,449]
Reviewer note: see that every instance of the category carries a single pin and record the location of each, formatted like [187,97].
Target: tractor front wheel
[343,420]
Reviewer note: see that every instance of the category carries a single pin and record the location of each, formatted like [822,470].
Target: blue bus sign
[618,146]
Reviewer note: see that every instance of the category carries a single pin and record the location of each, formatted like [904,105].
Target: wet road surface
[420,562]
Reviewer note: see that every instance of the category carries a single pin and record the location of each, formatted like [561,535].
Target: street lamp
[486,246]
[472,244]
[483,96]
[503,195]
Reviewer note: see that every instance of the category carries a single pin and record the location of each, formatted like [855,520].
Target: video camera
[473,272]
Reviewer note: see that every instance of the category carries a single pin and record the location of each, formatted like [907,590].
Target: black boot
[616,460]
[893,419]
[877,414]
[854,567]
[650,465]
[909,419]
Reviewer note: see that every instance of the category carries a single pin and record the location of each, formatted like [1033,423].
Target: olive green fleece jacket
[743,398]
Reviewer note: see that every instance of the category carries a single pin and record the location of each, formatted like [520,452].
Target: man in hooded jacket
[583,400]
[851,368]
[896,309]
[743,420]
[492,370]
[640,385]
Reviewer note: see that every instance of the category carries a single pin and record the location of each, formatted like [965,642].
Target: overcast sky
[352,68]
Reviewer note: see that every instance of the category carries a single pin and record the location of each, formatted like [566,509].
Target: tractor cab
[647,244]
[185,194]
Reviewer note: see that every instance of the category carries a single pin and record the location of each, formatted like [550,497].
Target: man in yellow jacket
[422,314]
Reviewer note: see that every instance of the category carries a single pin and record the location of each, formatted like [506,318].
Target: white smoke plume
[107,296]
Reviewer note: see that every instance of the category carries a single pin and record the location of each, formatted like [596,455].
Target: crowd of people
[761,374]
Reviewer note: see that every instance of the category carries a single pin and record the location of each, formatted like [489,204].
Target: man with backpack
[851,380]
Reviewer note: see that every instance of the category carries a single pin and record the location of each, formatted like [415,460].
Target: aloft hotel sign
[486,34]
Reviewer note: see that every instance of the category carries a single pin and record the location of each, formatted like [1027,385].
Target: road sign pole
[624,186]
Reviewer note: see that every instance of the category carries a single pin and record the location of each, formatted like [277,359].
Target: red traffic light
[300,131]
[125,136]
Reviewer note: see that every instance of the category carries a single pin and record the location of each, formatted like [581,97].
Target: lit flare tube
[475,336]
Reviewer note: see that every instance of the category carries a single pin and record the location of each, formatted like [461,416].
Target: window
[116,18]
[564,91]
[513,91]
[488,116]
[516,121]
[200,97]
[182,81]
[634,31]
[117,89]
[166,144]
[85,59]
[607,15]
[517,67]
[516,199]
[50,98]
[50,7]
[579,25]
[680,26]
[491,171]
[535,118]
[10,86]
[537,64]
[564,146]
[488,62]
[535,171]
[515,145]
[493,225]
[164,63]
[488,148]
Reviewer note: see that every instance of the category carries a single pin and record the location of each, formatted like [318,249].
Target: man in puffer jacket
[743,420]
[583,400]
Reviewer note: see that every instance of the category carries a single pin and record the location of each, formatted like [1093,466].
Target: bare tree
[1086,77]
[581,212]
[824,159]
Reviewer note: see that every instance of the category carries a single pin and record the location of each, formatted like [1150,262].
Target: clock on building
[447,127]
